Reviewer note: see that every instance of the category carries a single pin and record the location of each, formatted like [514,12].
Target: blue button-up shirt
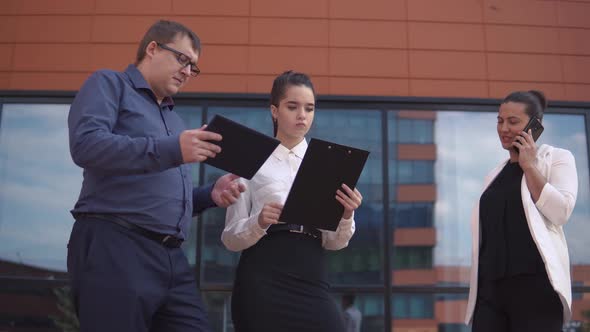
[128,146]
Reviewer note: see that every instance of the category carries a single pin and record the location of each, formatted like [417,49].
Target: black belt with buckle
[166,240]
[313,232]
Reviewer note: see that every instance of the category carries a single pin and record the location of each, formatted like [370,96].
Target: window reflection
[218,306]
[371,307]
[412,189]
[38,309]
[193,117]
[413,306]
[414,130]
[218,263]
[580,314]
[39,184]
[362,261]
[415,171]
[413,215]
[428,312]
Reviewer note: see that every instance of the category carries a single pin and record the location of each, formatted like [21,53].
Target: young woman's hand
[270,214]
[527,150]
[350,199]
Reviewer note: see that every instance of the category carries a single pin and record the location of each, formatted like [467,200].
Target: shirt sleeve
[338,239]
[93,144]
[558,197]
[241,228]
[202,199]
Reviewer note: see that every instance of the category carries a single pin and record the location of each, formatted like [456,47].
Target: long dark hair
[534,101]
[280,85]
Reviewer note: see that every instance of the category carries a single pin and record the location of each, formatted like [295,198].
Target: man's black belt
[313,232]
[169,241]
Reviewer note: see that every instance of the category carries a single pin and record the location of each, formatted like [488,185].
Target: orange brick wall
[451,48]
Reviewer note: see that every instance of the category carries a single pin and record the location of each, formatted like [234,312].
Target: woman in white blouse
[281,282]
[520,273]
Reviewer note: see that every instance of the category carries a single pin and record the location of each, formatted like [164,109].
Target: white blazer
[545,219]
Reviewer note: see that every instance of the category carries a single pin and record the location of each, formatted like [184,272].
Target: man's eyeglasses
[183,59]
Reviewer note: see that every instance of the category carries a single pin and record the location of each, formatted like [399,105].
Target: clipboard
[243,149]
[325,166]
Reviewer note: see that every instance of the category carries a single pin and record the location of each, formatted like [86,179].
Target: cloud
[39,184]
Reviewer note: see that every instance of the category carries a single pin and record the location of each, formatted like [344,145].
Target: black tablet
[325,167]
[243,150]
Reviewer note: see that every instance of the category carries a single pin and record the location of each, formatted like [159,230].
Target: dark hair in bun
[534,101]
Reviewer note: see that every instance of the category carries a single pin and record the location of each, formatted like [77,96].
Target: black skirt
[281,285]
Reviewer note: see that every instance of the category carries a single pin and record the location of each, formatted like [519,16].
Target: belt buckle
[300,230]
[171,242]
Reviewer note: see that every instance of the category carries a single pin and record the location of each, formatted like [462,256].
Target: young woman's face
[295,112]
[512,119]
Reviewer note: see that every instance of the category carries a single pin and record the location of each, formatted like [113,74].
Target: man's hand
[227,190]
[194,146]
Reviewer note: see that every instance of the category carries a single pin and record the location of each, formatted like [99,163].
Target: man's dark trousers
[123,281]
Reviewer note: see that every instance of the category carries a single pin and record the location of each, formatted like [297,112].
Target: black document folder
[243,150]
[325,167]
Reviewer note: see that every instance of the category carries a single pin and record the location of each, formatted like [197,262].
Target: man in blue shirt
[126,268]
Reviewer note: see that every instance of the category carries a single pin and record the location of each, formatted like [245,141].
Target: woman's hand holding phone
[527,149]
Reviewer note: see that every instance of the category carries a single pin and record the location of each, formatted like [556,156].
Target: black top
[507,247]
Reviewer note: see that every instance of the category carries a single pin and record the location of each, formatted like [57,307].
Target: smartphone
[536,129]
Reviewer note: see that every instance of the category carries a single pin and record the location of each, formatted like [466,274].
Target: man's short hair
[164,32]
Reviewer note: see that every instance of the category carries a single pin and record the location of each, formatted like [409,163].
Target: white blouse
[272,184]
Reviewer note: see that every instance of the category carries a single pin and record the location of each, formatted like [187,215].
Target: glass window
[371,307]
[412,306]
[416,131]
[362,261]
[412,215]
[415,171]
[580,314]
[218,263]
[435,160]
[39,185]
[37,309]
[193,118]
[218,306]
[453,327]
[412,258]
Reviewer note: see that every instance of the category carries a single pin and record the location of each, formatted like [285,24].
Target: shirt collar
[281,152]
[139,82]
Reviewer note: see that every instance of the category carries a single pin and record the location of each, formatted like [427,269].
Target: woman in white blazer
[520,273]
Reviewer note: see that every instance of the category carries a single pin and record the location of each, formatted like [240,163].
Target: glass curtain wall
[408,263]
